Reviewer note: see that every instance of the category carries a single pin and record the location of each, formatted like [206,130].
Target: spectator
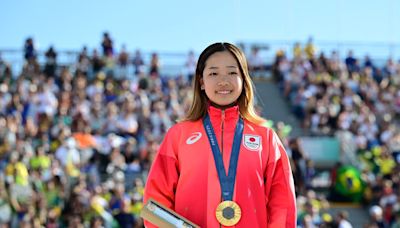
[138,62]
[83,64]
[5,207]
[255,61]
[31,67]
[342,220]
[29,50]
[376,217]
[97,62]
[123,57]
[6,74]
[297,52]
[51,62]
[299,167]
[125,218]
[123,61]
[190,66]
[107,45]
[351,62]
[154,65]
[310,49]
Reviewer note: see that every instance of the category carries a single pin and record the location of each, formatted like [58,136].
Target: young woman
[220,167]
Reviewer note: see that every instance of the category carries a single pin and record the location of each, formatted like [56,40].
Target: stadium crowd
[359,103]
[77,141]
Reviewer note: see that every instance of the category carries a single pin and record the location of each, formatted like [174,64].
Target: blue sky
[177,26]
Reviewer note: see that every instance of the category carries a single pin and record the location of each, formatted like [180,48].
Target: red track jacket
[183,175]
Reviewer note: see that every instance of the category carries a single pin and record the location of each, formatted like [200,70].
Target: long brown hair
[245,101]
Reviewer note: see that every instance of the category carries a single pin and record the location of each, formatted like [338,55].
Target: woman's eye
[213,74]
[233,73]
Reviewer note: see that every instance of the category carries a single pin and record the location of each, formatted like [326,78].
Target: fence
[173,63]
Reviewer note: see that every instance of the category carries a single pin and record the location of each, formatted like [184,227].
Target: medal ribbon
[227,182]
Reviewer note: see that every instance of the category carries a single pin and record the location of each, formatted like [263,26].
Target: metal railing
[172,63]
[379,52]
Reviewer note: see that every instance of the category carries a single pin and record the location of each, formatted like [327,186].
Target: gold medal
[228,213]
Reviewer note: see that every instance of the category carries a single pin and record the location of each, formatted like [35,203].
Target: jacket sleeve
[279,186]
[164,173]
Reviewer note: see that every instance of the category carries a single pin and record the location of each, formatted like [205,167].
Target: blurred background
[89,88]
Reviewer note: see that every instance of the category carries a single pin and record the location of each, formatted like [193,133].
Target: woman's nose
[223,82]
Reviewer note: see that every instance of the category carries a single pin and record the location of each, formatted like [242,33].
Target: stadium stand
[78,136]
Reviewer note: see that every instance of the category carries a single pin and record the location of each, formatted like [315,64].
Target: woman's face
[222,79]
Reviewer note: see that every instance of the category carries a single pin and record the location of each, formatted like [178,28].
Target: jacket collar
[216,114]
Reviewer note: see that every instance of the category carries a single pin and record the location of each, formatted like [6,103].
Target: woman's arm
[164,173]
[279,186]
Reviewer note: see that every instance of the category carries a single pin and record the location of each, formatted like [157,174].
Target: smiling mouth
[224,92]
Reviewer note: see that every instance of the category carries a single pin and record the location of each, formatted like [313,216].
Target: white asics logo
[193,138]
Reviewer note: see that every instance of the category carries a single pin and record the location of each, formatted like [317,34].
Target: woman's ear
[201,84]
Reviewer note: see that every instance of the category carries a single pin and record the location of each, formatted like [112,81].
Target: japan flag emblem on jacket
[252,142]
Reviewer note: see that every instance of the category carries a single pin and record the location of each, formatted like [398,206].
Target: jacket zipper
[222,133]
[222,144]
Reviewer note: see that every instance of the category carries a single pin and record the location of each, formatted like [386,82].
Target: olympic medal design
[228,213]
